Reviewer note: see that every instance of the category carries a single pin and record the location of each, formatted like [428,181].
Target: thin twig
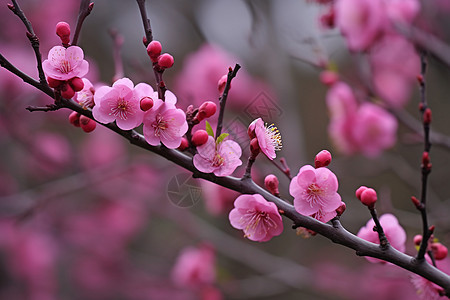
[384,244]
[34,40]
[223,99]
[146,22]
[85,9]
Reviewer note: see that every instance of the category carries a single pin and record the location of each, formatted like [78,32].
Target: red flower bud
[154,50]
[322,159]
[254,147]
[359,191]
[340,210]
[74,119]
[369,197]
[222,83]
[63,31]
[165,61]
[67,91]
[76,83]
[200,137]
[328,77]
[439,251]
[206,110]
[427,116]
[271,182]
[87,125]
[184,144]
[54,83]
[146,103]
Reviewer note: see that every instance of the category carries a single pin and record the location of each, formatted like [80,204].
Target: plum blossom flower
[360,21]
[85,97]
[395,233]
[65,63]
[258,218]
[165,123]
[195,267]
[315,192]
[118,103]
[218,158]
[269,138]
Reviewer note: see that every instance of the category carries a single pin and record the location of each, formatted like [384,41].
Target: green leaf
[209,129]
[221,137]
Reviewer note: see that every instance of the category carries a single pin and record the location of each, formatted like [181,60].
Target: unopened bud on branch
[271,182]
[200,137]
[322,159]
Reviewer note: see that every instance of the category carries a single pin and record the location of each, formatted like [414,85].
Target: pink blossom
[395,65]
[195,267]
[315,192]
[395,234]
[374,129]
[402,10]
[360,21]
[269,138]
[258,218]
[118,103]
[164,123]
[64,64]
[221,159]
[86,96]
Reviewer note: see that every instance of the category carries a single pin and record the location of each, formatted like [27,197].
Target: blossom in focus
[118,103]
[164,123]
[195,267]
[394,232]
[257,217]
[218,158]
[65,63]
[315,192]
[269,138]
[85,97]
[360,21]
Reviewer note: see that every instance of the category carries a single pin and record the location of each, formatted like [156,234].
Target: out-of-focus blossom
[315,191]
[221,159]
[65,63]
[85,97]
[394,232]
[395,65]
[360,21]
[195,267]
[257,217]
[403,11]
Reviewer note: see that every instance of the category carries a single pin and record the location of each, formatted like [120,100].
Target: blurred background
[89,216]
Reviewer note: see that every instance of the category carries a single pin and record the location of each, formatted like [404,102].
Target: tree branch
[223,99]
[85,9]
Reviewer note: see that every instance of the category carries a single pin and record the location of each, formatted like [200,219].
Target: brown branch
[223,99]
[146,22]
[85,9]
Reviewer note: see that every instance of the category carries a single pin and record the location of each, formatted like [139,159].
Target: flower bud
[67,91]
[254,147]
[417,239]
[322,159]
[439,251]
[328,77]
[427,116]
[146,103]
[206,110]
[63,31]
[74,119]
[271,182]
[165,61]
[87,125]
[76,83]
[184,144]
[359,191]
[222,83]
[54,83]
[154,50]
[200,137]
[369,197]
[340,210]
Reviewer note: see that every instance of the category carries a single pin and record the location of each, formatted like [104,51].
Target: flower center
[314,193]
[273,136]
[258,219]
[159,125]
[217,160]
[121,109]
[65,67]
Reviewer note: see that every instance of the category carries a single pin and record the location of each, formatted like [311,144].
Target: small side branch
[223,99]
[85,9]
[146,22]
